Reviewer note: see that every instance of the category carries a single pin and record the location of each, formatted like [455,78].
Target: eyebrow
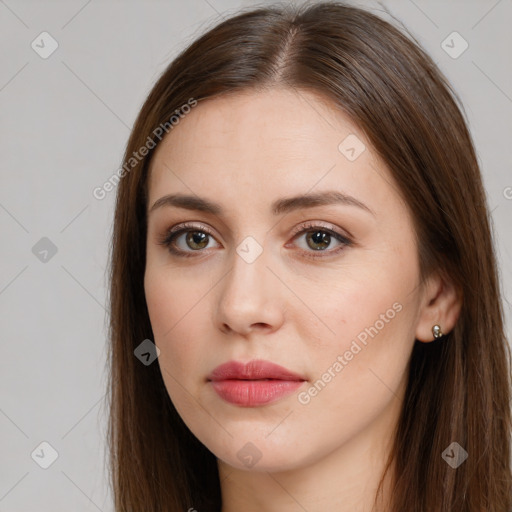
[280,206]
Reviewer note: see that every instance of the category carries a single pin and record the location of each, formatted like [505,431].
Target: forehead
[288,123]
[266,144]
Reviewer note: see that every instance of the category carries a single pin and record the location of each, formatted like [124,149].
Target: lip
[255,383]
[256,369]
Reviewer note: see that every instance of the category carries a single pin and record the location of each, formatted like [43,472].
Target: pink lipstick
[255,383]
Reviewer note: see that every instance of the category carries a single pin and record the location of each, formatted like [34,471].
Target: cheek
[374,298]
[170,298]
[174,311]
[372,335]
[370,315]
[360,372]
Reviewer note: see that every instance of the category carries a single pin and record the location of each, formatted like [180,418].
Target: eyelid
[310,224]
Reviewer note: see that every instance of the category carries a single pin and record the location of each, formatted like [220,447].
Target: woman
[301,236]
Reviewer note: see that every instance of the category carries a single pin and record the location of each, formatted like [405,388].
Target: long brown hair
[459,388]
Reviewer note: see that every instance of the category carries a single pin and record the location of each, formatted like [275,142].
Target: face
[328,290]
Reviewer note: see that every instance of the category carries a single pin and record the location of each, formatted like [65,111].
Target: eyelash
[170,236]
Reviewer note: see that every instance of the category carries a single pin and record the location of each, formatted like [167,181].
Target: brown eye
[196,240]
[318,240]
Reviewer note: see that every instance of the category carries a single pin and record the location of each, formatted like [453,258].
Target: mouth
[254,383]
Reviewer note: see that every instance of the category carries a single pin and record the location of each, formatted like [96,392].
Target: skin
[244,151]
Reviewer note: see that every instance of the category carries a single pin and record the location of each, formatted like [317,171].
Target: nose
[250,297]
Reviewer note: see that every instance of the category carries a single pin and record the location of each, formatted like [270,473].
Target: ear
[440,305]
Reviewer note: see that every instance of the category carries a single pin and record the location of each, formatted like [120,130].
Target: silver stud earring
[436,331]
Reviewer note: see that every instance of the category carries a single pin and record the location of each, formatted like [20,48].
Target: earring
[436,331]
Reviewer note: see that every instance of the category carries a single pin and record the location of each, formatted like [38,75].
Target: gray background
[64,124]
